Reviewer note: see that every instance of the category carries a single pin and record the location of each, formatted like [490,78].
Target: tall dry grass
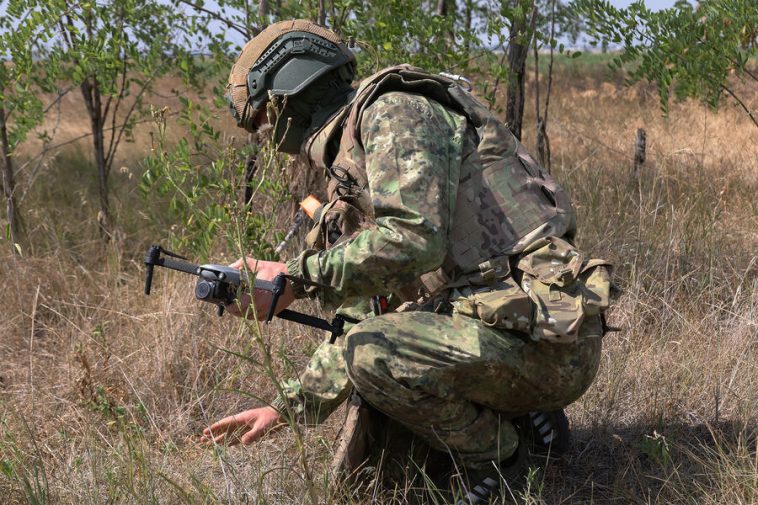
[103,391]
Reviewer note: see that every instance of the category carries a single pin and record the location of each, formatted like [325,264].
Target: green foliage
[406,31]
[201,177]
[115,51]
[656,447]
[24,34]
[688,52]
[107,40]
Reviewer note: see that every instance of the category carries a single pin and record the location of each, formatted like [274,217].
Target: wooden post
[639,150]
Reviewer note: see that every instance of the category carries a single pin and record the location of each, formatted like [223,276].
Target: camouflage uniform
[453,380]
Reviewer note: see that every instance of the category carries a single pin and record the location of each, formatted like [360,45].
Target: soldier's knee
[365,347]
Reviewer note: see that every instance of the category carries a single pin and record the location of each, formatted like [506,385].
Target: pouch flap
[555,262]
[596,262]
[596,286]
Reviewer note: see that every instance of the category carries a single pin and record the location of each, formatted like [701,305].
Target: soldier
[444,244]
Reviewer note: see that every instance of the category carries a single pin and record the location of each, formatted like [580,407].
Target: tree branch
[41,155]
[550,65]
[723,87]
[112,148]
[121,94]
[89,134]
[741,103]
[218,17]
[61,94]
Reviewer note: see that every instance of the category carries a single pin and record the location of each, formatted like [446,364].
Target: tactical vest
[507,203]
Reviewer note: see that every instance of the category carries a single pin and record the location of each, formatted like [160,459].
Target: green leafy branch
[688,52]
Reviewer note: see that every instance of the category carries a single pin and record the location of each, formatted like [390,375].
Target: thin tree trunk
[93,101]
[640,144]
[251,166]
[446,9]
[9,185]
[468,16]
[322,12]
[536,78]
[517,52]
[543,126]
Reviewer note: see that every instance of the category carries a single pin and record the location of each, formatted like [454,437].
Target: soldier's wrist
[295,269]
[280,405]
[299,268]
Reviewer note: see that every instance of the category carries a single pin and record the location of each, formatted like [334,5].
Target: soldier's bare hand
[264,270]
[245,427]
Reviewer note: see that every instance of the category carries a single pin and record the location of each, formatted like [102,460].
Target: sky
[651,4]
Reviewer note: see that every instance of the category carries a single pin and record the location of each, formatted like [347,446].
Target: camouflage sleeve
[413,149]
[318,391]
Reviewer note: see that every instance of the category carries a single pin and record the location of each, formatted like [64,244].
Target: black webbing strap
[308,320]
[336,327]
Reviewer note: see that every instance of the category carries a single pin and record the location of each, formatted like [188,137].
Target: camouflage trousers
[456,382]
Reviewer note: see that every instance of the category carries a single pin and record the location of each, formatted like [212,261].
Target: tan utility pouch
[503,305]
[337,221]
[564,288]
[500,303]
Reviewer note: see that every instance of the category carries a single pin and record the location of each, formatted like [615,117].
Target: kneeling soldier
[444,241]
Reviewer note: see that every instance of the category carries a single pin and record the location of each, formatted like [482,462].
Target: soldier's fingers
[262,300]
[212,432]
[221,425]
[225,424]
[210,440]
[239,307]
[252,264]
[251,436]
[233,309]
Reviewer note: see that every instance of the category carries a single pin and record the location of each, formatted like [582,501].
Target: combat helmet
[283,60]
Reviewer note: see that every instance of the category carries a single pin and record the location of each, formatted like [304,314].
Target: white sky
[651,4]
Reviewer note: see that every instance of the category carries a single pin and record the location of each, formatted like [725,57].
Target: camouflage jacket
[414,151]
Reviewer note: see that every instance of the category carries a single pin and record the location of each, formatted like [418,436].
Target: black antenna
[151,259]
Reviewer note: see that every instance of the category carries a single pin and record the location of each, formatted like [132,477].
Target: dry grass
[103,391]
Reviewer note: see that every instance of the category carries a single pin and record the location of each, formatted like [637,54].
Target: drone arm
[154,258]
[182,266]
